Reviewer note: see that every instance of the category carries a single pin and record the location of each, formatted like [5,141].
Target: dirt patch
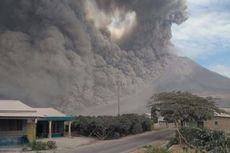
[64,144]
[180,149]
[155,144]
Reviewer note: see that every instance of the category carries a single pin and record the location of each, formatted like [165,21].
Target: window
[57,126]
[216,123]
[11,125]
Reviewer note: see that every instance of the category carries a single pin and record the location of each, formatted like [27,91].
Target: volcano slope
[181,75]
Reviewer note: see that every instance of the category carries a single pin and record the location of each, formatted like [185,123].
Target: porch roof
[54,118]
[54,115]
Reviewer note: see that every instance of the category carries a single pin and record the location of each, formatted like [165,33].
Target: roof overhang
[59,118]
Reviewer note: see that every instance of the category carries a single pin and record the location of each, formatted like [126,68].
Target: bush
[39,145]
[51,145]
[116,135]
[136,128]
[110,127]
[204,139]
[125,125]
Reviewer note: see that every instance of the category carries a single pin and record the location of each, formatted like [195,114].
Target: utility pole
[118,84]
[118,93]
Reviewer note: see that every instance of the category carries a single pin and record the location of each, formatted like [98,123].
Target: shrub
[51,145]
[110,127]
[173,141]
[204,139]
[116,135]
[125,125]
[39,145]
[147,124]
[136,128]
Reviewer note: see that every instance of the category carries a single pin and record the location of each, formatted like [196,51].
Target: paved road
[125,144]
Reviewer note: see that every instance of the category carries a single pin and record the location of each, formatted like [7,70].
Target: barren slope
[181,74]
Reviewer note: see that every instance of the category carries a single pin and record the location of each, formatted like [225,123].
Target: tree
[183,106]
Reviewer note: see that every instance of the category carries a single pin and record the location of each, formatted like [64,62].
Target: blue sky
[205,36]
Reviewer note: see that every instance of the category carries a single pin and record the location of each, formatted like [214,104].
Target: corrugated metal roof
[49,112]
[15,108]
[222,115]
[227,114]
[14,105]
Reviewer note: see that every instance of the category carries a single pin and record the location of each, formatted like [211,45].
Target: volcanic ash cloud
[68,54]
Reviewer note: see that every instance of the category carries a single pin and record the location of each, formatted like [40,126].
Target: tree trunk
[182,137]
[178,131]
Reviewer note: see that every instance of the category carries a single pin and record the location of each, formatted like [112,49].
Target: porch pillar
[69,131]
[35,128]
[50,129]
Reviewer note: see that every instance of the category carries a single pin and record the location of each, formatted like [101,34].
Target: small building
[161,123]
[20,123]
[219,122]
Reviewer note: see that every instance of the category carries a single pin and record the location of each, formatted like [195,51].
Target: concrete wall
[163,125]
[31,131]
[218,123]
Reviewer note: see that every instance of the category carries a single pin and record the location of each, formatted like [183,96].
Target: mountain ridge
[137,103]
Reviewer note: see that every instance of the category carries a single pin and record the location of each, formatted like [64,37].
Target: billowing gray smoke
[68,53]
